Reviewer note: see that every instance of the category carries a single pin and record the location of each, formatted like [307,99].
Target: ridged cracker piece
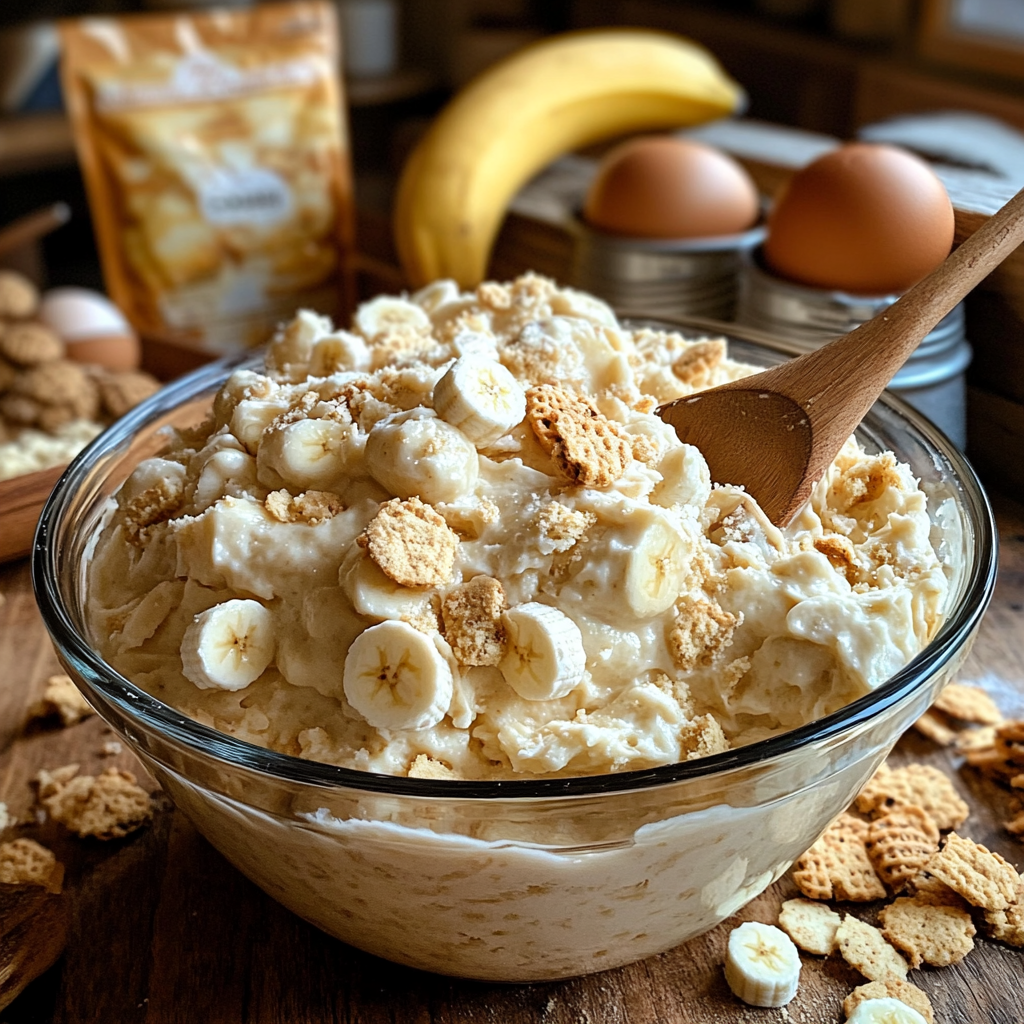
[892,988]
[472,621]
[411,543]
[969,704]
[837,866]
[24,862]
[865,949]
[934,726]
[1007,925]
[587,448]
[811,925]
[108,806]
[928,932]
[900,843]
[927,888]
[1009,741]
[918,784]
[982,877]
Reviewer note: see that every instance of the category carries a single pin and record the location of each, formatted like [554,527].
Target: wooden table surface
[164,930]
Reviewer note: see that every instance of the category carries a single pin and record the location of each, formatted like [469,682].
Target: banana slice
[396,678]
[884,1011]
[545,659]
[251,417]
[290,350]
[657,563]
[762,965]
[436,294]
[480,397]
[685,478]
[306,454]
[341,352]
[225,472]
[228,646]
[387,312]
[416,453]
[376,595]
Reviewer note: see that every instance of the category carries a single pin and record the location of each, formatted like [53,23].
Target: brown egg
[865,218]
[658,186]
[93,328]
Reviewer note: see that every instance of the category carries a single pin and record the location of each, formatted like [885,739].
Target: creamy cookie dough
[456,540]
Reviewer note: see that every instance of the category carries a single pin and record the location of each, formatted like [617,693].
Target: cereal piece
[700,633]
[25,862]
[969,704]
[310,507]
[701,738]
[30,345]
[933,726]
[411,543]
[123,391]
[108,806]
[426,767]
[19,297]
[1007,925]
[837,865]
[918,784]
[864,948]
[983,878]
[62,698]
[891,988]
[900,843]
[472,621]
[586,447]
[812,926]
[928,932]
[697,361]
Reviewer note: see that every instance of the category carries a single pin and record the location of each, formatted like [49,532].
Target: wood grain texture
[164,930]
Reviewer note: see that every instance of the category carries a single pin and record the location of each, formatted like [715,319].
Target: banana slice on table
[228,646]
[545,658]
[885,1011]
[481,398]
[762,965]
[396,678]
[387,312]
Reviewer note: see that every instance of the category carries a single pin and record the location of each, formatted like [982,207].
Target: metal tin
[661,277]
[932,379]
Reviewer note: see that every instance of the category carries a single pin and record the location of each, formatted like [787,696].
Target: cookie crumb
[62,699]
[26,862]
[426,767]
[472,621]
[310,507]
[701,631]
[411,543]
[107,806]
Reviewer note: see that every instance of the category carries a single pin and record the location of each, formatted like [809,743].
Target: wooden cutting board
[165,931]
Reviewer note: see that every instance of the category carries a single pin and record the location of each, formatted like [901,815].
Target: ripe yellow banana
[567,91]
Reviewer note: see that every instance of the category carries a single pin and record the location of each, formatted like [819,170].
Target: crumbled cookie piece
[62,383]
[926,932]
[30,344]
[19,297]
[969,704]
[149,508]
[701,631]
[1016,824]
[19,410]
[1007,925]
[411,543]
[702,737]
[697,362]
[867,481]
[811,925]
[644,449]
[107,806]
[982,877]
[472,621]
[560,527]
[26,862]
[917,784]
[865,949]
[976,739]
[123,391]
[891,988]
[934,726]
[900,843]
[837,865]
[840,553]
[426,767]
[587,448]
[310,507]
[111,748]
[928,889]
[61,698]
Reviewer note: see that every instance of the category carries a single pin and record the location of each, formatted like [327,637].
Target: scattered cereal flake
[108,806]
[811,925]
[891,988]
[697,361]
[426,767]
[310,507]
[472,621]
[969,704]
[1007,925]
[837,865]
[918,784]
[61,698]
[25,862]
[982,877]
[701,631]
[934,727]
[865,949]
[900,843]
[411,543]
[929,933]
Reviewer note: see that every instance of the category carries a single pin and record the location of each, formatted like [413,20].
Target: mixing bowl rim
[93,674]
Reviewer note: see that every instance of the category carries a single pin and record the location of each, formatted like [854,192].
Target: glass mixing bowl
[523,880]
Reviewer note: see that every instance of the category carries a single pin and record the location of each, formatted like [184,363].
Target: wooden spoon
[777,432]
